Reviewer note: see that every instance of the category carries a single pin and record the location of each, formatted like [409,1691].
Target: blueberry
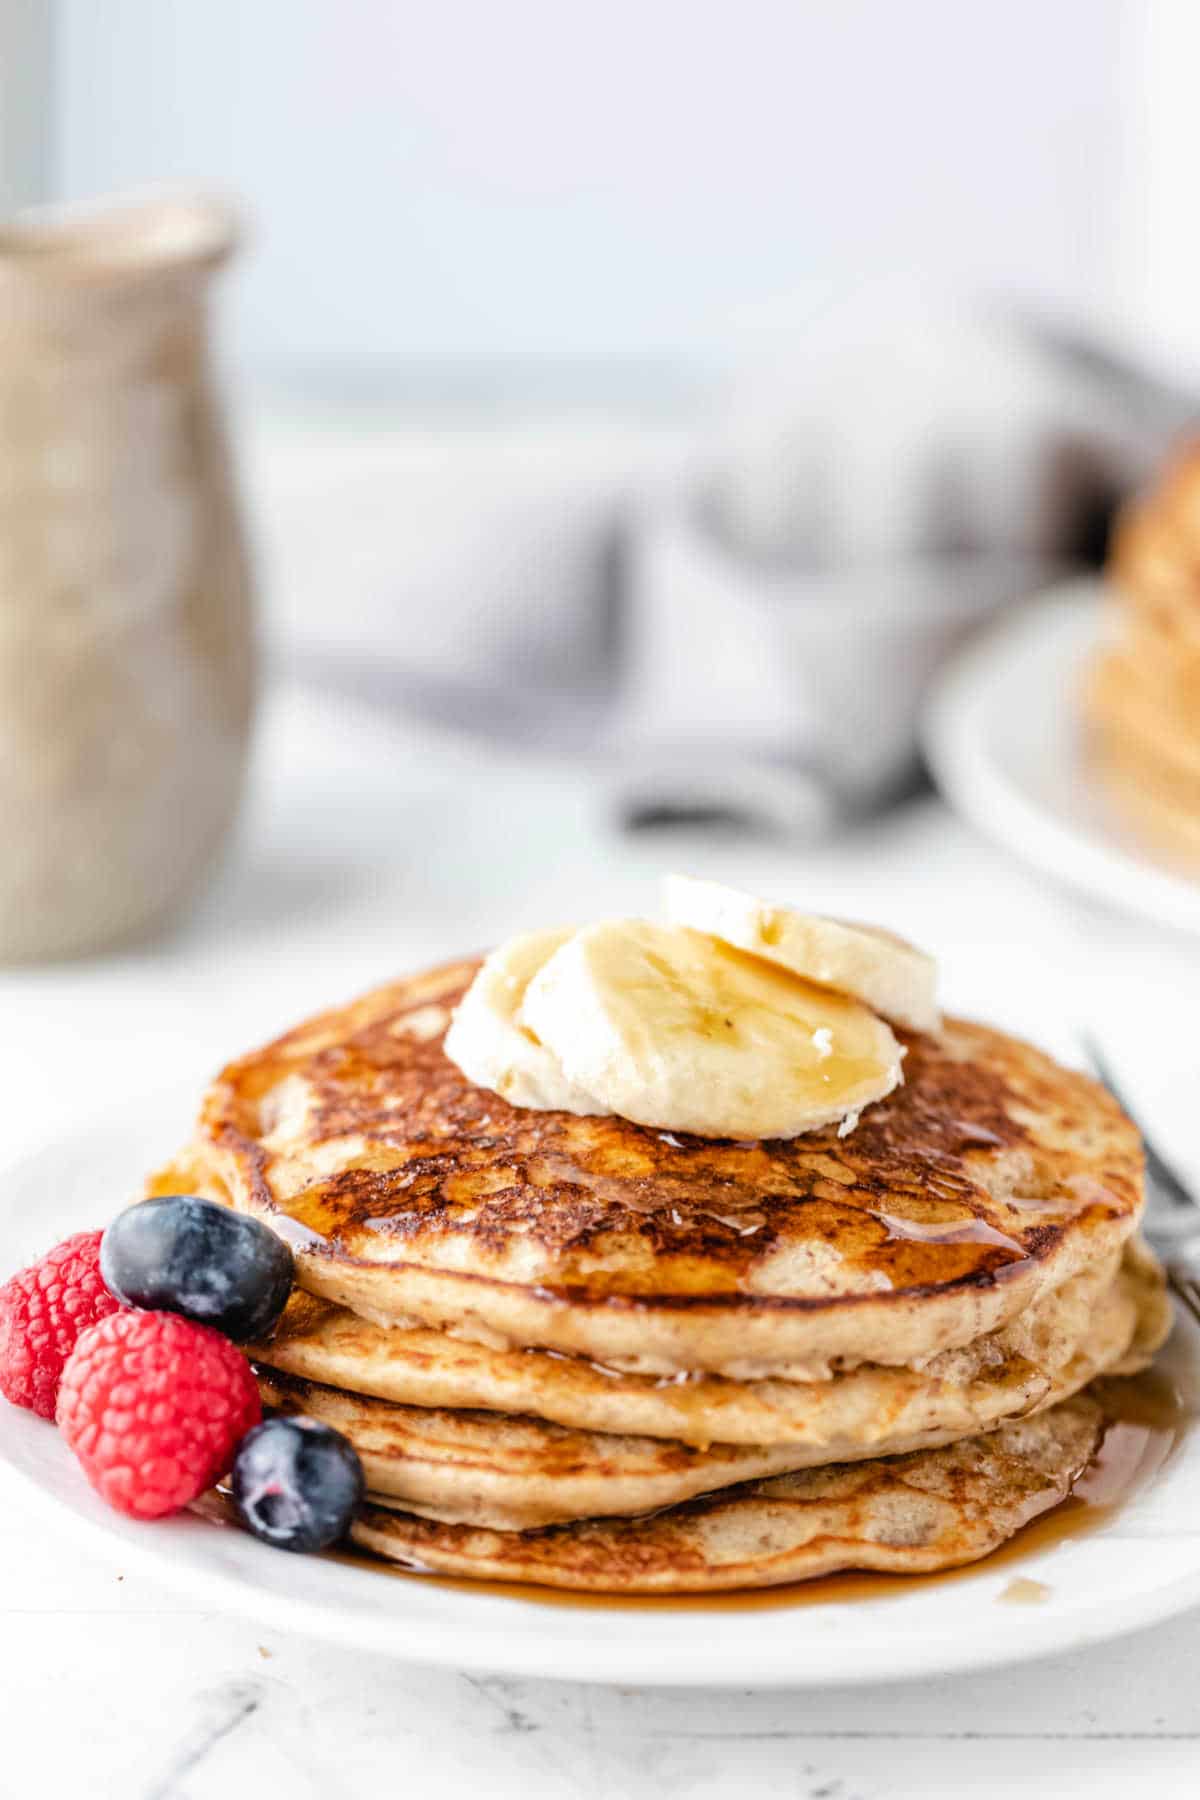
[297,1483]
[191,1256]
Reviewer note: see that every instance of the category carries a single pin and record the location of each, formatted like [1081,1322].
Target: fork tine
[1159,1170]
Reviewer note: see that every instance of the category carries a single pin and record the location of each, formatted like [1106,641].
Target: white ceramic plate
[1002,737]
[1144,1566]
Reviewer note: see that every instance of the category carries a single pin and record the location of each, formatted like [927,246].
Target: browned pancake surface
[408,1192]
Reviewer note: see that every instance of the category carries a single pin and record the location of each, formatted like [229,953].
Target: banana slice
[494,1049]
[891,976]
[675,1029]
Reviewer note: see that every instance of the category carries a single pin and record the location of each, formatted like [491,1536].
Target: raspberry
[42,1312]
[154,1407]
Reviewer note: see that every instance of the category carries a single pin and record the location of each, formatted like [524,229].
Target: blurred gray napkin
[883,483]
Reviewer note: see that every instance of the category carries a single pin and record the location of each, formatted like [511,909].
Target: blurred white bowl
[732,664]
[465,555]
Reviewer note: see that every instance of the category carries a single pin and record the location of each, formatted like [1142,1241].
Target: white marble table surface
[367,849]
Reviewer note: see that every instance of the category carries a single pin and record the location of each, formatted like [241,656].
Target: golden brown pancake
[935,1509]
[956,1393]
[1155,560]
[989,1179]
[1146,745]
[1132,707]
[489,1468]
[511,1472]
[1160,812]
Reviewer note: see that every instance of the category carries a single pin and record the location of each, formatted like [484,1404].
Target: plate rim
[616,1662]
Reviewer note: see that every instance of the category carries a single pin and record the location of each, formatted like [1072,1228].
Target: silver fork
[1172,1218]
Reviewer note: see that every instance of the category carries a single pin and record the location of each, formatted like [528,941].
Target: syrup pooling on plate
[1148,1416]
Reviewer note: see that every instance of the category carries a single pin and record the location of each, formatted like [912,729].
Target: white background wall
[26,124]
[470,178]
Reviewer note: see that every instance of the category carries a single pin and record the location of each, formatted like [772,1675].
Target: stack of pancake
[580,1352]
[1142,697]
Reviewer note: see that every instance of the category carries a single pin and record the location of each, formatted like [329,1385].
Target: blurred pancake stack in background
[1142,698]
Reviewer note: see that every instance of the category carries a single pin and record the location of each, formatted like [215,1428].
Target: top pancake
[990,1177]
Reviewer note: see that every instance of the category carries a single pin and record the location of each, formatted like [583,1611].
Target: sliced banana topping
[495,1049]
[888,974]
[677,1029]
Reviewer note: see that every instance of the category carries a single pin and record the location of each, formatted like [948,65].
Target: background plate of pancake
[1072,731]
[610,1383]
[1038,734]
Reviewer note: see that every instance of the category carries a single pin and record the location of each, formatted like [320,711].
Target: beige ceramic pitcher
[126,656]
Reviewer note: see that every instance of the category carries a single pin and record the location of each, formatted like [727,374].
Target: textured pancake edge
[419,1367]
[462,1467]
[933,1510]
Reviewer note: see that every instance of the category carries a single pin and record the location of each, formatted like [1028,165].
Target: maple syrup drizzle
[652,1199]
[951,1231]
[1147,1417]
